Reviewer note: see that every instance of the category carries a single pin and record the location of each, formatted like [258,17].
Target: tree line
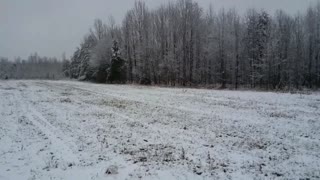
[182,44]
[34,67]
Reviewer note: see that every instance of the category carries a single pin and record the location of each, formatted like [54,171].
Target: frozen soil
[76,130]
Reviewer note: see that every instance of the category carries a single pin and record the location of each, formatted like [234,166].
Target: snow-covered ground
[75,130]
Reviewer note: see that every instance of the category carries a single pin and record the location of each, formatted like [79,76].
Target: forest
[181,44]
[34,67]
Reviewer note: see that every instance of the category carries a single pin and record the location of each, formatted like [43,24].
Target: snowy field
[74,130]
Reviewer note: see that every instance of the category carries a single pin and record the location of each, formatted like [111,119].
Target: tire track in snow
[58,144]
[55,165]
[154,128]
[126,118]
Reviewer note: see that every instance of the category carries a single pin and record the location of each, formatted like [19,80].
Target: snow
[77,130]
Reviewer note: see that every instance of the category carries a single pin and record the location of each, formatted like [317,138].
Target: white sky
[51,27]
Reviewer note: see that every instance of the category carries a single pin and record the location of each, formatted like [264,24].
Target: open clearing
[75,130]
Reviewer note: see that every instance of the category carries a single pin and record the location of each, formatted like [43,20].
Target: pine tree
[116,72]
[66,67]
[256,44]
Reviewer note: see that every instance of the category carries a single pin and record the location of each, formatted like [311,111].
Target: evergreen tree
[256,44]
[116,72]
[66,67]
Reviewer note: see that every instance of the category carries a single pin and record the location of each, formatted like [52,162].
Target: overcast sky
[51,27]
